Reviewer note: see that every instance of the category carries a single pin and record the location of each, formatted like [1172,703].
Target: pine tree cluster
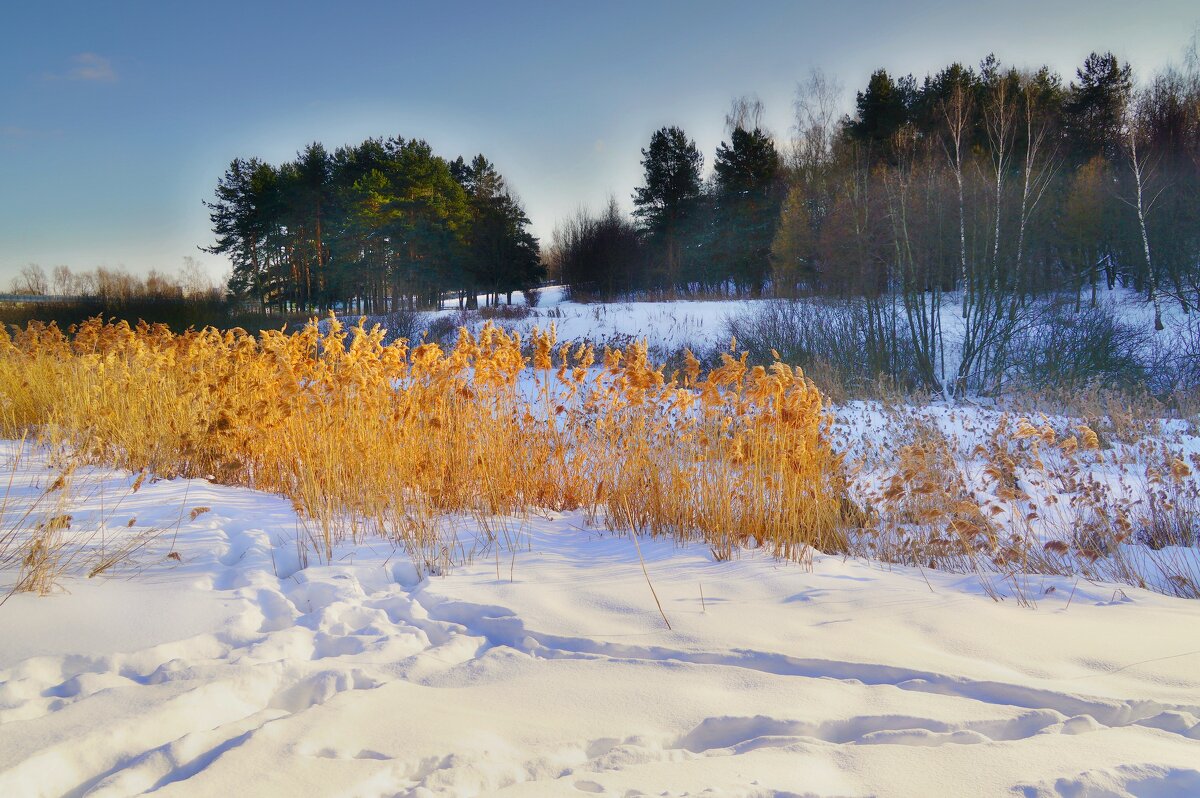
[376,227]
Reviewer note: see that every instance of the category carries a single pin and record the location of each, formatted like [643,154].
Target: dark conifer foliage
[672,167]
[748,194]
[669,197]
[374,227]
[1095,108]
[882,109]
[503,254]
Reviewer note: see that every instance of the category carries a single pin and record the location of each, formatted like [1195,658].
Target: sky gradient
[116,119]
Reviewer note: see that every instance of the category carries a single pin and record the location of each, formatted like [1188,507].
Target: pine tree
[1095,107]
[504,255]
[882,109]
[241,216]
[313,173]
[672,166]
[749,193]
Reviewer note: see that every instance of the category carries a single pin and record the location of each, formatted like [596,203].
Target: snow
[668,325]
[701,323]
[546,669]
[542,666]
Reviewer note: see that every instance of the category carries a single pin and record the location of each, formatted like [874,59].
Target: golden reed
[368,438]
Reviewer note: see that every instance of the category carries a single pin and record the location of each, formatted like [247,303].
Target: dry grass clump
[937,520]
[1027,498]
[1172,513]
[374,438]
[1115,415]
[43,538]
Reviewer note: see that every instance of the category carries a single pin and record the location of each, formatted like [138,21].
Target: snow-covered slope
[701,323]
[546,669]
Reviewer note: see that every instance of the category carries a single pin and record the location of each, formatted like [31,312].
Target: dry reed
[368,438]
[1026,499]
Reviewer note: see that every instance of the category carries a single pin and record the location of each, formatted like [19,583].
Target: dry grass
[1028,498]
[375,439]
[42,538]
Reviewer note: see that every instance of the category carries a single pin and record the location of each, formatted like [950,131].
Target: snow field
[701,323]
[541,664]
[547,670]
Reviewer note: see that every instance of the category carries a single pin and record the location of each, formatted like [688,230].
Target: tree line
[990,184]
[372,228]
[997,184]
[116,285]
[66,297]
[687,233]
[973,177]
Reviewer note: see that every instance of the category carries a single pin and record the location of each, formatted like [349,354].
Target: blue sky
[117,118]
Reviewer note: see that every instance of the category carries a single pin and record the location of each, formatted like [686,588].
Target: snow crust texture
[546,669]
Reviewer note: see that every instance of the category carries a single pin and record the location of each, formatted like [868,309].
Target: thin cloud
[92,67]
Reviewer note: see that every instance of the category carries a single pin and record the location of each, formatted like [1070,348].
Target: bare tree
[1013,114]
[913,188]
[956,113]
[745,112]
[31,280]
[999,123]
[1042,157]
[63,280]
[1191,54]
[811,196]
[816,106]
[195,281]
[1147,187]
